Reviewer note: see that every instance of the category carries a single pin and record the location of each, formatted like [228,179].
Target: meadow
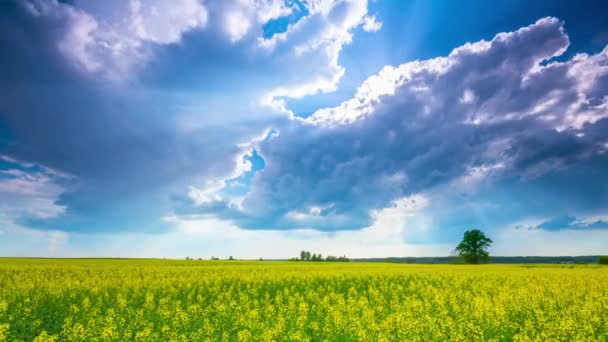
[178,300]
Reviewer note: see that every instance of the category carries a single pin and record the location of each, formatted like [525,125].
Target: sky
[256,129]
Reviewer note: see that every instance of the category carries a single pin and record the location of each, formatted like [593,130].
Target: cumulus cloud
[502,107]
[163,130]
[240,17]
[319,37]
[113,45]
[120,141]
[172,122]
[118,38]
[165,22]
[492,115]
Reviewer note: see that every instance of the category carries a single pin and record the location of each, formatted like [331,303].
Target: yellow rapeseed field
[172,300]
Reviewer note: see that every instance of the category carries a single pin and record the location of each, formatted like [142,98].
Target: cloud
[475,133]
[117,39]
[571,222]
[121,141]
[211,237]
[317,37]
[371,24]
[240,17]
[503,107]
[112,46]
[164,23]
[139,107]
[29,190]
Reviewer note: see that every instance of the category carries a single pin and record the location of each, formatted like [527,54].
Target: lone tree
[473,247]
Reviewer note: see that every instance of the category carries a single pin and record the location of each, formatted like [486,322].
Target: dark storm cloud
[137,107]
[120,143]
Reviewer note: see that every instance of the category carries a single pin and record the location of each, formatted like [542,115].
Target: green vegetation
[179,300]
[474,247]
[603,260]
[306,256]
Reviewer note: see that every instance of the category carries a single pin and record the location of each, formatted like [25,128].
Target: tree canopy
[306,256]
[474,247]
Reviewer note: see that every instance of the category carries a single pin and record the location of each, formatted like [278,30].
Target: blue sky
[260,128]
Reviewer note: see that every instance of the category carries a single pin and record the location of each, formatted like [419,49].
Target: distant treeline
[587,259]
[307,256]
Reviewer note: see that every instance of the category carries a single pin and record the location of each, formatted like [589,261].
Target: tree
[305,255]
[603,260]
[316,257]
[473,247]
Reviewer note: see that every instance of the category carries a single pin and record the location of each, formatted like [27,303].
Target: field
[177,300]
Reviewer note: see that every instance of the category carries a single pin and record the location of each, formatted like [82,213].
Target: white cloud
[32,194]
[322,33]
[474,175]
[387,236]
[119,43]
[468,96]
[371,24]
[385,83]
[30,191]
[581,77]
[164,22]
[590,219]
[112,46]
[404,221]
[236,25]
[242,165]
[241,17]
[79,39]
[395,231]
